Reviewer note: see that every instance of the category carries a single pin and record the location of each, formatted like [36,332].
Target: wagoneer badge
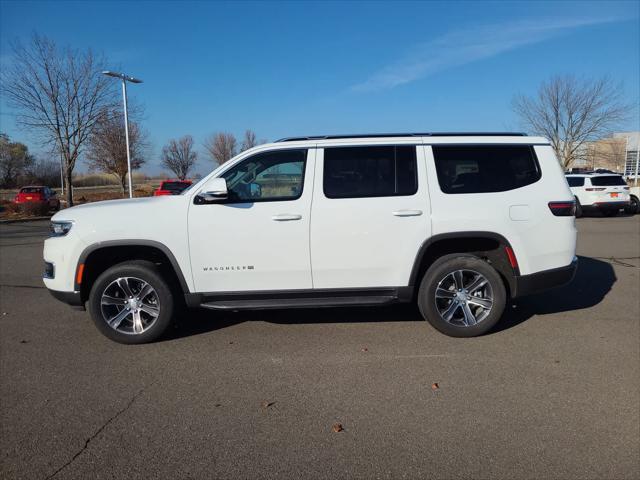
[227,268]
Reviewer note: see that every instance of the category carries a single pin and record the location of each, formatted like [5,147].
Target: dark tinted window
[175,186]
[607,181]
[32,190]
[482,169]
[575,181]
[352,172]
[270,176]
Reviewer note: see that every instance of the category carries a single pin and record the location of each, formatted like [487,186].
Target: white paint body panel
[158,219]
[240,247]
[336,243]
[540,240]
[359,242]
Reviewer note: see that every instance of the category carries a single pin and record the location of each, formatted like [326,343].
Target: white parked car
[458,223]
[602,192]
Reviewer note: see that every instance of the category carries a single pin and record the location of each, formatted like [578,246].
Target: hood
[100,211]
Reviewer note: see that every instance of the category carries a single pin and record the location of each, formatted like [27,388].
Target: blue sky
[297,68]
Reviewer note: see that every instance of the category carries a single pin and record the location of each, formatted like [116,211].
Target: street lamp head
[122,76]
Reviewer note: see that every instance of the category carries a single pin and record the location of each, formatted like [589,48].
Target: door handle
[407,213]
[286,217]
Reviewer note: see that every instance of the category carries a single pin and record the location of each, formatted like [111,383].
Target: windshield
[31,190]
[608,181]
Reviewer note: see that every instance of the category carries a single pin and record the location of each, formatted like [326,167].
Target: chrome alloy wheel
[464,298]
[130,305]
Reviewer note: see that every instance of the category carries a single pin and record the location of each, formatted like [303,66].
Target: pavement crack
[97,432]
[618,261]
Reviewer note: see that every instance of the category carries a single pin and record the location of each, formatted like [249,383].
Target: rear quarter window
[485,168]
[575,181]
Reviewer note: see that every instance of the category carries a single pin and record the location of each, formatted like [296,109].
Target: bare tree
[221,146]
[44,172]
[59,94]
[15,159]
[107,148]
[249,141]
[570,112]
[179,156]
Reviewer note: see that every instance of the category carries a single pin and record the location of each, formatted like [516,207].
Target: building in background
[618,153]
[632,153]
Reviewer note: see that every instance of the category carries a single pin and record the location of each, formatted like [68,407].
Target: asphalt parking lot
[554,392]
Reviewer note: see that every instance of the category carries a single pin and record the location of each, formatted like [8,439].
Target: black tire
[578,208]
[138,272]
[438,273]
[633,207]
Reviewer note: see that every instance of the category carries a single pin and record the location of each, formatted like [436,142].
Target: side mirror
[213,191]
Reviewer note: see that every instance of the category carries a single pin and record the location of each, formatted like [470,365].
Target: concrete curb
[23,220]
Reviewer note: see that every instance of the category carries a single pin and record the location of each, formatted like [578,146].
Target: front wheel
[131,303]
[462,296]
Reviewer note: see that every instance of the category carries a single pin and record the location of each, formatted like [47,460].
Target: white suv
[458,223]
[603,192]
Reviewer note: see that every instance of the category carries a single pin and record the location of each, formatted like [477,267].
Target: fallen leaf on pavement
[435,386]
[365,349]
[337,427]
[267,404]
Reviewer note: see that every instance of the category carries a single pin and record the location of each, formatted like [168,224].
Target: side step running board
[266,303]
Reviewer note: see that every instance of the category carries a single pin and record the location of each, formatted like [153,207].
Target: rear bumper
[545,280]
[607,205]
[70,298]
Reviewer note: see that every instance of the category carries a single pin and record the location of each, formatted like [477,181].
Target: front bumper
[71,298]
[545,280]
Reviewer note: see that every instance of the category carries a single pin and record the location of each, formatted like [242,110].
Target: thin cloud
[460,47]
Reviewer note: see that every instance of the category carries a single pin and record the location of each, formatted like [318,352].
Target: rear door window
[485,168]
[380,171]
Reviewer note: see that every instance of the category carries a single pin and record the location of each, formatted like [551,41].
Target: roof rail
[386,135]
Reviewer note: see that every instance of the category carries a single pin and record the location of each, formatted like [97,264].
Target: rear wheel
[633,206]
[462,296]
[131,303]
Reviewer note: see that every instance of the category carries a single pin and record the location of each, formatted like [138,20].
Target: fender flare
[510,273]
[134,243]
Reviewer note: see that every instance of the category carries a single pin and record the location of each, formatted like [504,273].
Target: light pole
[125,79]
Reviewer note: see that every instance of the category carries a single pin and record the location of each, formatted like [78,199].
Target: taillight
[595,189]
[563,209]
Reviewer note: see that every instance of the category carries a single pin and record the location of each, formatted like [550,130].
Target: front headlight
[60,229]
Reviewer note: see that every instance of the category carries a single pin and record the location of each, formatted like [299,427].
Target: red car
[172,187]
[38,194]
